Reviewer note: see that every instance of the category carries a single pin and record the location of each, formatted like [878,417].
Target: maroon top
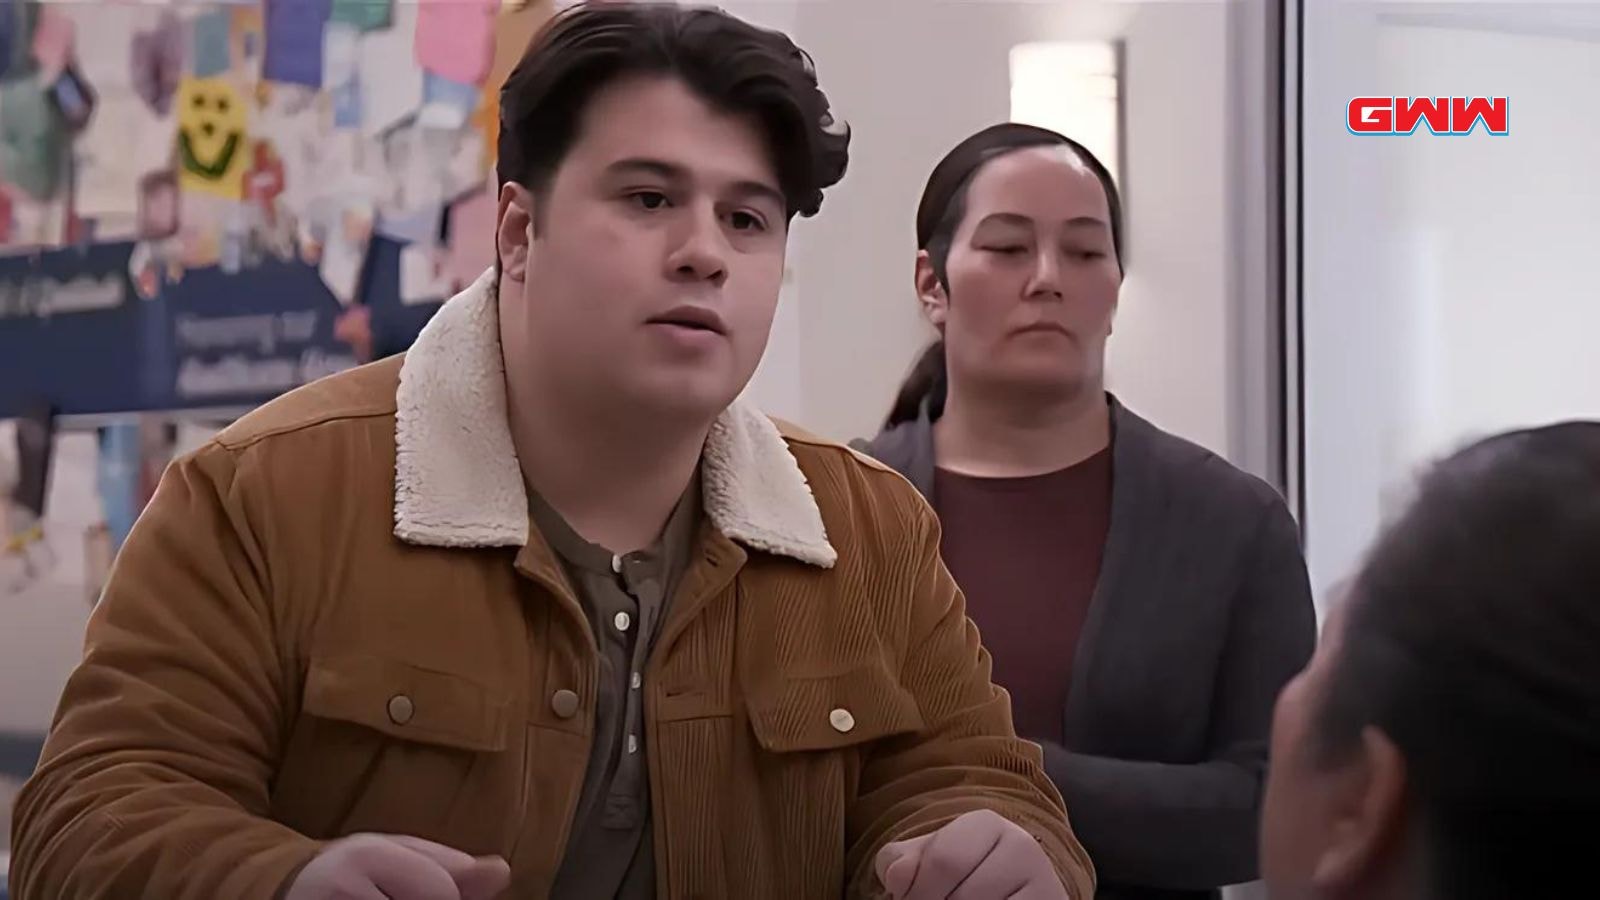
[1026,552]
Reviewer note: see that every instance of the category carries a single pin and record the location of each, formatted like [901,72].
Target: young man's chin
[692,396]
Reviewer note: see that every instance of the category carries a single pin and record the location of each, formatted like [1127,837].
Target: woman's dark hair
[733,65]
[1473,642]
[939,214]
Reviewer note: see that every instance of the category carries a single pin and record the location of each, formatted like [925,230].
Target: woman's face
[1033,277]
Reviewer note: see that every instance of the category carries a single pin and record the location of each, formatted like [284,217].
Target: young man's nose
[701,249]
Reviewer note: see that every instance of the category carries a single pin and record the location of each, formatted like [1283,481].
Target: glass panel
[1449,280]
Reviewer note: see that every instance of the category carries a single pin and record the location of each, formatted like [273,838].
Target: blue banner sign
[75,334]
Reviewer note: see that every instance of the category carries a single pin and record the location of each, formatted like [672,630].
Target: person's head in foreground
[1444,743]
[1019,235]
[651,160]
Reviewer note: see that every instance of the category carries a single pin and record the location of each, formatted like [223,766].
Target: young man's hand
[978,856]
[396,867]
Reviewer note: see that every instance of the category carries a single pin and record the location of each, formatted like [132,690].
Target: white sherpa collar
[458,484]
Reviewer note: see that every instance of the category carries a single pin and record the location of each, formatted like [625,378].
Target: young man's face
[652,274]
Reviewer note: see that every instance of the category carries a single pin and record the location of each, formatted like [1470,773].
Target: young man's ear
[1370,825]
[514,230]
[935,300]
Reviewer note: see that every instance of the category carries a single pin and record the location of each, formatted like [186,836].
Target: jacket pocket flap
[830,712]
[407,702]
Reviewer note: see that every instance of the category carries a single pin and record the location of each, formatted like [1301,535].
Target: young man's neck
[614,477]
[1012,437]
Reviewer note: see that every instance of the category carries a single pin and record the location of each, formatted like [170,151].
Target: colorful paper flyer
[53,37]
[212,39]
[455,38]
[213,137]
[157,62]
[294,41]
[342,73]
[391,80]
[365,15]
[33,141]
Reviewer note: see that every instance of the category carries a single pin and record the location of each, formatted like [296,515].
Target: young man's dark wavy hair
[733,65]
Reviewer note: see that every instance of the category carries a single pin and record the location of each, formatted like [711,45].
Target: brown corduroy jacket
[336,618]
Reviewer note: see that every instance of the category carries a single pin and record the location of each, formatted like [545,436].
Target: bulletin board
[203,205]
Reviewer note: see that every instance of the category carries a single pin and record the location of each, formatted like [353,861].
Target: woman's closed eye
[1007,249]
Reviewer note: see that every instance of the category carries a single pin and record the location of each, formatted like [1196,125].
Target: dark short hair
[734,66]
[939,215]
[1473,642]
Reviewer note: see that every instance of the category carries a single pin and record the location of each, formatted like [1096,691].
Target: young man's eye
[1008,249]
[649,199]
[747,221]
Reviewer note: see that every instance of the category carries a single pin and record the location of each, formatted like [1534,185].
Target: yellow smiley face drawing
[213,146]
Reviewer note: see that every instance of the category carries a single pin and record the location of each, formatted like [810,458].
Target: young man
[539,610]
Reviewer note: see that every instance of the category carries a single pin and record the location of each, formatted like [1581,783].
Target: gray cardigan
[1201,614]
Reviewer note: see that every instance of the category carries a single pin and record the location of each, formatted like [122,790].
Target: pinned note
[158,205]
[391,81]
[264,183]
[422,276]
[12,33]
[410,198]
[157,59]
[345,252]
[294,41]
[33,143]
[73,97]
[211,43]
[5,217]
[103,48]
[342,73]
[455,38]
[38,223]
[365,15]
[412,226]
[447,103]
[53,36]
[213,143]
[247,38]
[202,217]
[340,51]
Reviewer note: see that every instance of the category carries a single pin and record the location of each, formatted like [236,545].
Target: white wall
[778,386]
[1449,281]
[913,77]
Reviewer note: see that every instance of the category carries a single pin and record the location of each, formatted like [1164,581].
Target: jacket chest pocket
[831,712]
[385,745]
[408,703]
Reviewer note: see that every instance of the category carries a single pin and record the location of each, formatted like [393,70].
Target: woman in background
[1444,744]
[1143,600]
